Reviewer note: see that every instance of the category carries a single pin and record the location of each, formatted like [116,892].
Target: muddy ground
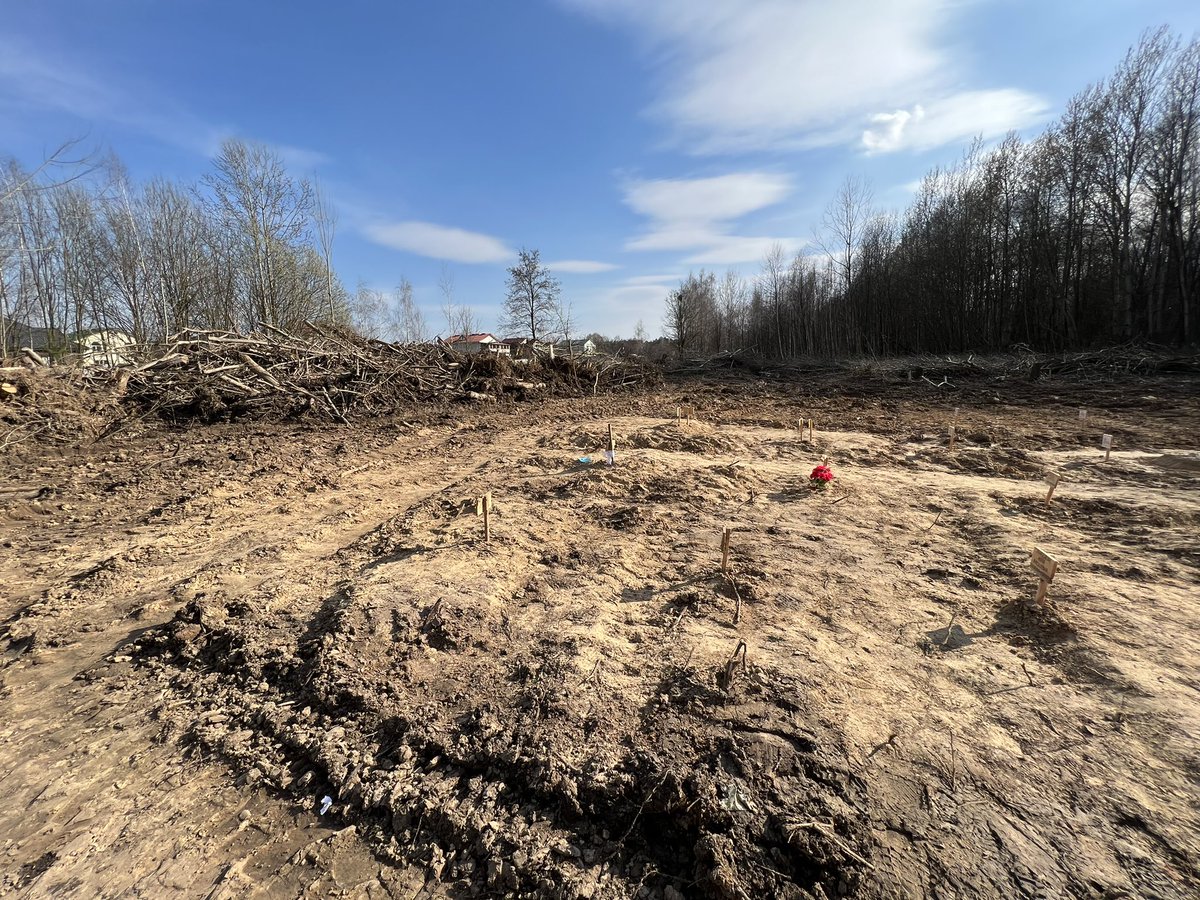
[278,660]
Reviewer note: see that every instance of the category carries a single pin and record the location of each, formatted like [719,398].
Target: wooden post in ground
[812,431]
[1052,479]
[1106,443]
[612,446]
[953,435]
[1045,566]
[486,503]
[725,534]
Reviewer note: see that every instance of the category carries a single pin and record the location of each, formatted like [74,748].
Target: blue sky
[628,140]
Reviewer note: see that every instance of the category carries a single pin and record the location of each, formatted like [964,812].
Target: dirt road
[209,632]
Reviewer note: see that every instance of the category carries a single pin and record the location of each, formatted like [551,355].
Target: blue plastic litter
[326,802]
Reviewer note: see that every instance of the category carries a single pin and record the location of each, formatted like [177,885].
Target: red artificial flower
[821,473]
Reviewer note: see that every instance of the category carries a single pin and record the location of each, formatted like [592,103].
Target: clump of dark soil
[475,771]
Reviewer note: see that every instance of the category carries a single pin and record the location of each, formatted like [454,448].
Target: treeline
[83,247]
[1087,235]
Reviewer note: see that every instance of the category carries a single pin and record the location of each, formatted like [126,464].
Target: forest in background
[1087,235]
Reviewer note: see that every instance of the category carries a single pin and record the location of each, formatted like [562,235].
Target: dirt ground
[277,660]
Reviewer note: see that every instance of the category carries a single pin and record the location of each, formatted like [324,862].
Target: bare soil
[279,660]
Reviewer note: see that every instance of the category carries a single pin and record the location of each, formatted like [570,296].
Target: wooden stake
[812,432]
[953,435]
[612,446]
[725,550]
[487,517]
[1045,566]
[1082,414]
[1052,479]
[1106,443]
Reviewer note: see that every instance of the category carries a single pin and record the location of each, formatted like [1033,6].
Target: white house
[103,347]
[478,343]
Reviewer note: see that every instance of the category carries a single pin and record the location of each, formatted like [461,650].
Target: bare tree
[690,312]
[843,223]
[325,220]
[533,295]
[268,211]
[369,311]
[408,322]
[446,286]
[564,319]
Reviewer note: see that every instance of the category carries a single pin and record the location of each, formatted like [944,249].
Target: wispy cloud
[439,242]
[987,114]
[699,214]
[580,266]
[35,80]
[38,81]
[738,75]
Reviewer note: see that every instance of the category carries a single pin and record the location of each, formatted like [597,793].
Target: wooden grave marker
[1082,414]
[1052,479]
[725,535]
[953,436]
[483,507]
[1106,445]
[1046,566]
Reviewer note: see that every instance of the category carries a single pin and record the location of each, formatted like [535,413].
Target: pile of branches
[206,375]
[209,375]
[1126,359]
[596,374]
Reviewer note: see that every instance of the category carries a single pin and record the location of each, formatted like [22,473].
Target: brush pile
[333,373]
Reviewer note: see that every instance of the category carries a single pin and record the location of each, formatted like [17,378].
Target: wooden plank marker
[689,412]
[812,432]
[1046,566]
[483,506]
[725,535]
[953,435]
[1106,445]
[1082,414]
[1052,479]
[611,452]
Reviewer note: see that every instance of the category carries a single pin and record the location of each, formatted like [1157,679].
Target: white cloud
[730,250]
[987,114]
[706,199]
[738,75]
[580,266]
[439,242]
[889,133]
[698,215]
